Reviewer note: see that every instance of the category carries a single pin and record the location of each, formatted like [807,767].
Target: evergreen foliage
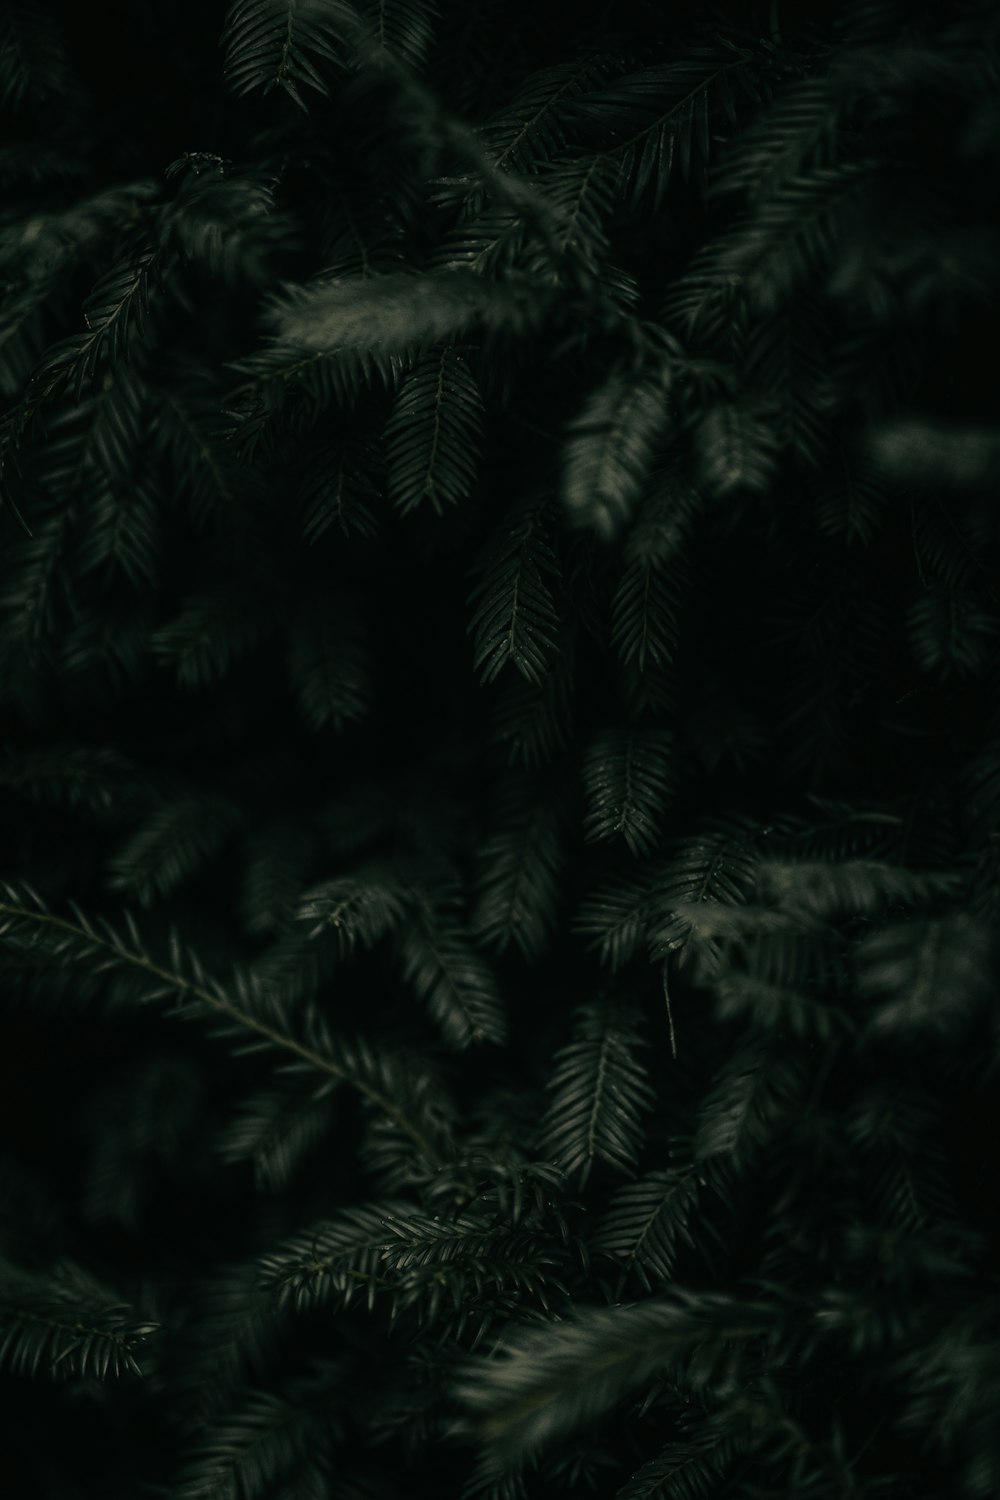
[497,616]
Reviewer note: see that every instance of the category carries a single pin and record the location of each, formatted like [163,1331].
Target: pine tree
[497,610]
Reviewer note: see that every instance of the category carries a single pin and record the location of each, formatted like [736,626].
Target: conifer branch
[81,940]
[550,1380]
[650,358]
[67,1323]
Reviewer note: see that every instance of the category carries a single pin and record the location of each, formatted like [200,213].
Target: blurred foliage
[497,616]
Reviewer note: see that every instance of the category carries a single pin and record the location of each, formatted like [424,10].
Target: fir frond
[851,887]
[925,978]
[796,131]
[916,451]
[495,1175]
[580,1469]
[864,22]
[328,667]
[432,437]
[75,775]
[850,501]
[487,243]
[718,866]
[906,1259]
[113,651]
[984,881]
[189,433]
[121,533]
[340,488]
[97,443]
[600,1091]
[644,610]
[248,1011]
[435,1264]
[616,915]
[276,1129]
[277,857]
[579,203]
[707,305]
[251,1451]
[666,115]
[749,1097]
[282,376]
[334,337]
[766,257]
[837,829]
[550,1380]
[410,1113]
[449,976]
[115,314]
[173,842]
[645,1223]
[949,1394]
[682,1471]
[783,974]
[65,1325]
[288,44]
[38,588]
[658,331]
[493,1478]
[33,60]
[515,617]
[519,870]
[22,335]
[397,314]
[358,239]
[226,226]
[736,448]
[628,778]
[362,908]
[398,30]
[609,449]
[535,126]
[62,239]
[532,719]
[981,782]
[949,554]
[295,967]
[951,633]
[783,365]
[211,632]
[117,422]
[791,235]
[867,1324]
[410,1118]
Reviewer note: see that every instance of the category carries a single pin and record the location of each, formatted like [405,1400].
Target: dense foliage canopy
[499,623]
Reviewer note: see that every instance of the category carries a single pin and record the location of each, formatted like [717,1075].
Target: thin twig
[670,1014]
